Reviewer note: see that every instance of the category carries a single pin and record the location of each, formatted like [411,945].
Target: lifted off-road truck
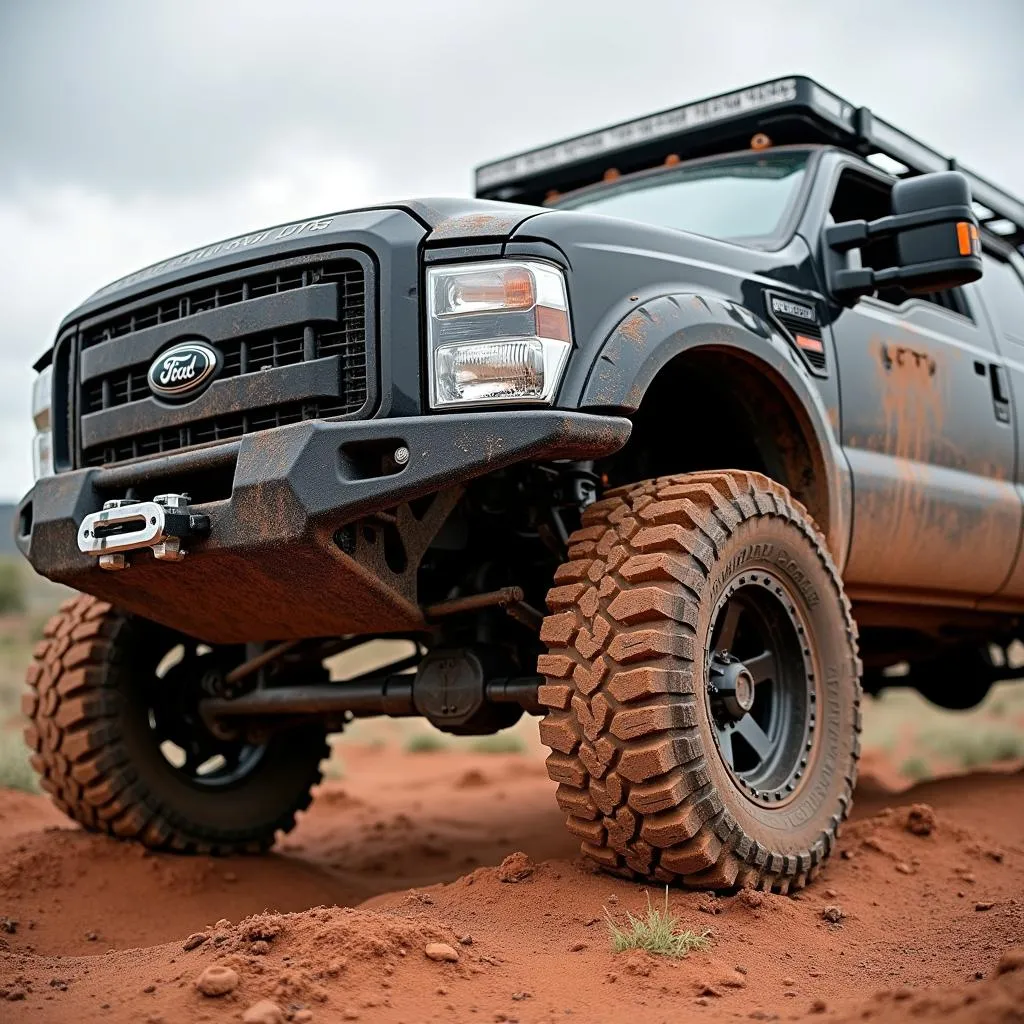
[716,387]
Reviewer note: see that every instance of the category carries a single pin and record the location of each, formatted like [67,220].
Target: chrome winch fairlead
[124,525]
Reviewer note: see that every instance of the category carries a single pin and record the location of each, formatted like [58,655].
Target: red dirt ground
[407,853]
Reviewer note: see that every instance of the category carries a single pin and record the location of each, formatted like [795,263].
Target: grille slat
[252,353]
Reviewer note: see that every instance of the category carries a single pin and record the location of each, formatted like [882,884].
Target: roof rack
[792,110]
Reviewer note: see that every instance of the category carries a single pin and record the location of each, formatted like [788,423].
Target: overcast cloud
[131,131]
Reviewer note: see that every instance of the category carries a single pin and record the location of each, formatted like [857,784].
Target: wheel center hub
[732,686]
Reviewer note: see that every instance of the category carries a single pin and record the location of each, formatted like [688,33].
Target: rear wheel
[702,684]
[119,743]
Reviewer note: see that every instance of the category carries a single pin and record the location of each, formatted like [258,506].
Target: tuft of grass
[424,743]
[976,747]
[499,743]
[916,768]
[12,588]
[15,771]
[657,932]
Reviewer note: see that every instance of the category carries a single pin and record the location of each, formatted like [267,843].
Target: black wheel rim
[761,688]
[183,673]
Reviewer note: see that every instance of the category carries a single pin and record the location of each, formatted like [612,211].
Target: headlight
[42,443]
[498,332]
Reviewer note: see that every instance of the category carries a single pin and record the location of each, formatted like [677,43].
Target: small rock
[790,994]
[740,969]
[1012,960]
[702,1001]
[302,1016]
[711,904]
[734,981]
[466,940]
[220,938]
[515,868]
[149,988]
[259,947]
[819,1006]
[91,936]
[8,925]
[846,854]
[831,893]
[518,997]
[903,867]
[984,905]
[921,820]
[441,951]
[193,941]
[230,876]
[217,980]
[705,989]
[15,994]
[264,1012]
[833,913]
[350,1014]
[751,898]
[788,982]
[222,923]
[577,947]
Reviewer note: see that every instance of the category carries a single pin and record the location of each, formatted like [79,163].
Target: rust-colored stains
[832,411]
[913,525]
[913,400]
[635,327]
[477,225]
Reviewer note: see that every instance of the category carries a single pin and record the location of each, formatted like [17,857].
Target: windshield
[743,197]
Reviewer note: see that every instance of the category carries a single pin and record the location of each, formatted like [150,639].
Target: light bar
[792,111]
[644,129]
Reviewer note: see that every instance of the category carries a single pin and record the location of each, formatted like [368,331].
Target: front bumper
[277,563]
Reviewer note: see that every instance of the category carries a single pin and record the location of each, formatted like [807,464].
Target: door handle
[1000,392]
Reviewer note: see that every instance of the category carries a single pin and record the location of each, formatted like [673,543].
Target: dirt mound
[995,1000]
[466,854]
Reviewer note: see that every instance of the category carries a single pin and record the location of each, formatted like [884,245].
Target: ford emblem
[183,370]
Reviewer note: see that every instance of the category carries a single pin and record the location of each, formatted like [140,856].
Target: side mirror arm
[852,234]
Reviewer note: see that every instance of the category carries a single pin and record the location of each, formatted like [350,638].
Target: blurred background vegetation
[905,740]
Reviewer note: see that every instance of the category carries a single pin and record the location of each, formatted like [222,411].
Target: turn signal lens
[492,289]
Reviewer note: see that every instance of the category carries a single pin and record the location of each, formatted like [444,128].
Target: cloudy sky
[131,131]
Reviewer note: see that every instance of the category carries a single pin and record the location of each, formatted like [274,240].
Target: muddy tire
[97,752]
[702,685]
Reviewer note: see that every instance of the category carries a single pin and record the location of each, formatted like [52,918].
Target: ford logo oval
[183,370]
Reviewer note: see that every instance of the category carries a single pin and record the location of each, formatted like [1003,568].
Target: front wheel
[119,744]
[702,684]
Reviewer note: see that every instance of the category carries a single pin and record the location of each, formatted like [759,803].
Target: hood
[441,221]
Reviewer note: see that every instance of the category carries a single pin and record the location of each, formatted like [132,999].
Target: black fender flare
[654,333]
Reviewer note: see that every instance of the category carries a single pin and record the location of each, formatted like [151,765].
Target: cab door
[931,454]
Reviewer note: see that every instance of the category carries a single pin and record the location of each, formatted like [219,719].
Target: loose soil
[919,916]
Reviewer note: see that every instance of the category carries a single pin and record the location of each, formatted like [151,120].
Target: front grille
[246,350]
[217,428]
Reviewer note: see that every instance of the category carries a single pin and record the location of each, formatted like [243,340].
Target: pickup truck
[680,434]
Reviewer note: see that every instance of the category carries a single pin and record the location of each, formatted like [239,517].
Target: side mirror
[935,235]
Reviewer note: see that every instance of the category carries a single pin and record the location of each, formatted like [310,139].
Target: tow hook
[123,525]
